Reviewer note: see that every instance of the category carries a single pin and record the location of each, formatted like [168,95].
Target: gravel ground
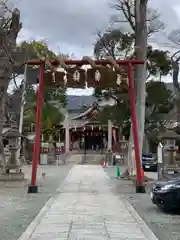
[165,226]
[18,209]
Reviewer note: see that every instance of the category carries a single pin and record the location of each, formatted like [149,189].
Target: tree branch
[125,6]
[15,23]
[110,52]
[174,55]
[174,37]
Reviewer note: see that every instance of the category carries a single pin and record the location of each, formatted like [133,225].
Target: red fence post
[33,188]
[140,188]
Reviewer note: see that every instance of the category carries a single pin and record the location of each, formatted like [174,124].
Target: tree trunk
[7,54]
[140,70]
[139,78]
[175,68]
[3,91]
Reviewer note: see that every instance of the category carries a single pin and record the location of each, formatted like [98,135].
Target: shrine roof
[79,102]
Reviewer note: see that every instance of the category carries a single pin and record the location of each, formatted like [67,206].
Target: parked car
[149,162]
[166,195]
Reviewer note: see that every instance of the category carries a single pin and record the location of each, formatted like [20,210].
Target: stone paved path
[85,208]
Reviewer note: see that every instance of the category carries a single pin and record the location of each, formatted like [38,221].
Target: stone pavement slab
[85,208]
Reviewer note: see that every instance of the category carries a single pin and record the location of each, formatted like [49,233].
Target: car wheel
[153,201]
[164,207]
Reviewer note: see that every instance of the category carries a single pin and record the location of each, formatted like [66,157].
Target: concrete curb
[34,224]
[143,226]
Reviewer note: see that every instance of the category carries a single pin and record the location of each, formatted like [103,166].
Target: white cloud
[177,10]
[70,26]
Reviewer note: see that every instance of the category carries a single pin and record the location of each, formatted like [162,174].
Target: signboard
[59,147]
[101,77]
[76,78]
[54,80]
[44,147]
[59,144]
[160,153]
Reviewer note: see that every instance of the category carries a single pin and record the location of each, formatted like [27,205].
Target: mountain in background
[74,103]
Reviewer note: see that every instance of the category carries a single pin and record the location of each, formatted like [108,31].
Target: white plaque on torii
[118,79]
[76,76]
[97,76]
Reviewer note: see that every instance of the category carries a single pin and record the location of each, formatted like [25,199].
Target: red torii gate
[41,63]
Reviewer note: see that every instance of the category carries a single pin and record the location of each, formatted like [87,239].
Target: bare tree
[127,8]
[115,43]
[10,58]
[142,22]
[174,37]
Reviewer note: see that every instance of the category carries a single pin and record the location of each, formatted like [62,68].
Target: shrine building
[82,130]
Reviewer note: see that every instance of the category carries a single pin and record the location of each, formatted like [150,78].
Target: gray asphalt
[18,209]
[165,226]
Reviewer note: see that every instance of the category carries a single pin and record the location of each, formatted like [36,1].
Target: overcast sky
[70,26]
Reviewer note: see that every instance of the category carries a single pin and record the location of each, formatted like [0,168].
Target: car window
[174,181]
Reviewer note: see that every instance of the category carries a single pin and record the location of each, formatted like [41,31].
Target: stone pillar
[67,136]
[51,152]
[109,135]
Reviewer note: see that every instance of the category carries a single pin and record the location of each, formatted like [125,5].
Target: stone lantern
[12,136]
[51,151]
[169,138]
[123,148]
